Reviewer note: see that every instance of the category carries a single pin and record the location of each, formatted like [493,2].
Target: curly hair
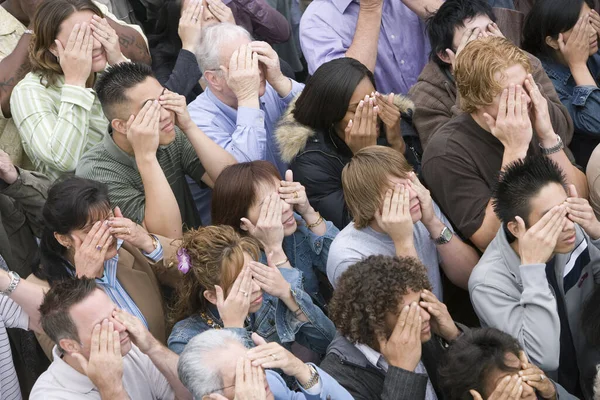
[216,258]
[370,289]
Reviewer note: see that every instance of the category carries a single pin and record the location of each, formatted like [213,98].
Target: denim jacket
[273,321]
[307,251]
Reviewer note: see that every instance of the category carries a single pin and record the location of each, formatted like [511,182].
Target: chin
[416,215]
[290,229]
[425,337]
[564,248]
[99,65]
[110,253]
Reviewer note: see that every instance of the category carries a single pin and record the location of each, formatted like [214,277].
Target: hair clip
[184,260]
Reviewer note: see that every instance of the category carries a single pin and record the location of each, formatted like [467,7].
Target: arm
[13,68]
[166,362]
[267,22]
[132,42]
[400,384]
[366,37]
[28,296]
[182,77]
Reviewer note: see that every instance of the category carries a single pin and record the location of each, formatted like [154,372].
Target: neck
[230,101]
[375,226]
[479,120]
[73,363]
[121,141]
[515,246]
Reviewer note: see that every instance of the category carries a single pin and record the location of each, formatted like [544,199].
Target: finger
[387,201]
[79,41]
[95,342]
[92,233]
[83,362]
[523,359]
[475,394]
[73,37]
[503,103]
[103,336]
[572,191]
[510,106]
[545,220]
[233,61]
[110,335]
[139,118]
[405,202]
[59,48]
[518,98]
[237,284]
[397,197]
[521,224]
[257,339]
[417,323]
[219,293]
[116,344]
[239,372]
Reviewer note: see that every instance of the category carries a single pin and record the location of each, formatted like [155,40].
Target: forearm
[366,37]
[12,69]
[132,43]
[283,86]
[423,8]
[293,306]
[312,217]
[488,229]
[405,248]
[267,22]
[582,75]
[166,362]
[29,297]
[183,77]
[573,174]
[213,157]
[116,392]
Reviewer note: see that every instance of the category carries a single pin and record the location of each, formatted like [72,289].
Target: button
[393,36]
[402,62]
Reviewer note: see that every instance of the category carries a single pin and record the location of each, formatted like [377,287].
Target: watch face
[447,235]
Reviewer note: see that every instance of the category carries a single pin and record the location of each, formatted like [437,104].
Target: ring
[273,356]
[98,247]
[195,19]
[295,195]
[542,377]
[244,292]
[128,231]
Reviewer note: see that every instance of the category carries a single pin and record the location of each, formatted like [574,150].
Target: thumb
[257,339]
[81,360]
[521,224]
[270,260]
[118,212]
[348,130]
[491,122]
[475,394]
[572,191]
[561,42]
[130,122]
[451,55]
[289,175]
[219,292]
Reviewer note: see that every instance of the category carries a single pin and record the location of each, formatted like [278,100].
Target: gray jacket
[519,300]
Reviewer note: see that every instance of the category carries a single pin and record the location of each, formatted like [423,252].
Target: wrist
[434,226]
[249,101]
[548,139]
[75,82]
[121,58]
[145,160]
[310,216]
[148,246]
[404,246]
[4,281]
[153,347]
[277,253]
[594,231]
[282,85]
[376,8]
[233,324]
[452,335]
[115,391]
[304,373]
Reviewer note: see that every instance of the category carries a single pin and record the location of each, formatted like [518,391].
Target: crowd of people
[303,199]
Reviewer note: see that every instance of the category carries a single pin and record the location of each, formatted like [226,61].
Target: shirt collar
[372,356]
[67,376]
[342,5]
[117,153]
[110,268]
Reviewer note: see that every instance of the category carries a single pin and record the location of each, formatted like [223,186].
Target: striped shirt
[57,124]
[12,316]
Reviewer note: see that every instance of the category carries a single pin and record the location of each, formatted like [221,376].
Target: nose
[164,114]
[425,317]
[285,207]
[255,287]
[569,225]
[119,327]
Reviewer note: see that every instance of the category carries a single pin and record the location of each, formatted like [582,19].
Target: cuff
[157,254]
[534,276]
[77,95]
[251,117]
[296,88]
[581,94]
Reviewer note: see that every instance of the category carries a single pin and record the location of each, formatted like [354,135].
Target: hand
[580,212]
[576,50]
[294,193]
[234,309]
[540,117]
[269,58]
[175,102]
[143,130]
[395,219]
[427,213]
[512,125]
[91,253]
[536,244]
[441,322]
[595,21]
[509,388]
[273,355]
[75,57]
[403,348]
[106,35]
[362,131]
[468,36]
[138,333]
[535,377]
[8,171]
[130,232]
[390,115]
[221,11]
[249,382]
[105,365]
[190,25]
[243,76]
[269,227]
[493,30]
[270,279]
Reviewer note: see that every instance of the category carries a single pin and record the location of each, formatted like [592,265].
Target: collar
[67,377]
[9,23]
[229,112]
[511,259]
[373,356]
[117,153]
[110,268]
[557,71]
[337,143]
[342,5]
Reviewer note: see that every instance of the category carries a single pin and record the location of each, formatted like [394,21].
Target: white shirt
[13,316]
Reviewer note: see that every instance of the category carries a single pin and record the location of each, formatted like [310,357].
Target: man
[216,365]
[387,316]
[487,364]
[456,23]
[394,215]
[542,265]
[153,145]
[502,107]
[101,352]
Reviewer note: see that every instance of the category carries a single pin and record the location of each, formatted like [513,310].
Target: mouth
[98,57]
[426,329]
[258,300]
[125,339]
[290,221]
[168,127]
[570,239]
[415,208]
[594,43]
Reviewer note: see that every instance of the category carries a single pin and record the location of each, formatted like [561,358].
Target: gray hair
[198,374]
[213,39]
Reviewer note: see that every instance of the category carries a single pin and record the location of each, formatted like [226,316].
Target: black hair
[549,18]
[472,357]
[452,14]
[113,83]
[520,182]
[71,204]
[326,96]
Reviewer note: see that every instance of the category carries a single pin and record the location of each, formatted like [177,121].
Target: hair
[476,68]
[71,205]
[521,181]
[366,177]
[46,25]
[213,39]
[113,84]
[370,289]
[549,18]
[216,258]
[198,372]
[452,15]
[326,96]
[472,357]
[54,310]
[235,191]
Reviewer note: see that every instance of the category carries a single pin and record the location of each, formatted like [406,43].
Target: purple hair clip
[184,260]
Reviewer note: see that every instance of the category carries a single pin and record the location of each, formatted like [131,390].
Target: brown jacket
[436,101]
[141,279]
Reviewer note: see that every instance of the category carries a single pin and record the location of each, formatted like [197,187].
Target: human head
[446,26]
[217,255]
[208,364]
[529,188]
[478,360]
[484,69]
[124,89]
[547,19]
[366,178]
[54,20]
[70,311]
[371,294]
[73,206]
[239,192]
[218,43]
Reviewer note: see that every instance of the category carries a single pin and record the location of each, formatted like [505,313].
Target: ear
[64,240]
[211,296]
[69,346]
[119,125]
[52,49]
[552,43]
[214,80]
[444,57]
[515,229]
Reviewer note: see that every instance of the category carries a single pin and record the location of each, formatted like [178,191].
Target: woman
[252,198]
[563,34]
[83,236]
[338,113]
[54,107]
[224,287]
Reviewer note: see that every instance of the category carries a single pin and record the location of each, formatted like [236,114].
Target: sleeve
[56,133]
[12,314]
[562,394]
[320,41]
[182,77]
[191,164]
[161,389]
[327,388]
[532,318]
[584,106]
[267,22]
[320,245]
[131,201]
[339,260]
[400,384]
[163,261]
[594,250]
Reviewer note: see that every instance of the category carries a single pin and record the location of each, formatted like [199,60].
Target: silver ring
[244,292]
[542,377]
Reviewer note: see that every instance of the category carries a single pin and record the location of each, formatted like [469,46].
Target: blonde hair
[366,177]
[476,68]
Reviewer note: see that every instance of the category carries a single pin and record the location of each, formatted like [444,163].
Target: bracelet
[554,149]
[298,312]
[314,378]
[317,223]
[280,263]
[28,31]
[14,281]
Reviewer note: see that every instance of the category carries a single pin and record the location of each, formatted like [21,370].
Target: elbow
[543,350]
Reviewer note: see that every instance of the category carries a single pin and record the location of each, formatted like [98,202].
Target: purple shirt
[328,26]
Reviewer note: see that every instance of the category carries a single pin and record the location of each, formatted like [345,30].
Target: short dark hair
[472,357]
[326,96]
[116,80]
[54,311]
[520,182]
[452,14]
[370,289]
[549,18]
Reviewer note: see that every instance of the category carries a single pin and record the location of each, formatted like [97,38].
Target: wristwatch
[444,237]
[314,378]
[14,281]
[554,149]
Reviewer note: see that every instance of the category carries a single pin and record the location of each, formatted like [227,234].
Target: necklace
[216,323]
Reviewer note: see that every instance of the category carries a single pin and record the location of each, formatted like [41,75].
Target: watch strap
[445,236]
[314,378]
[14,282]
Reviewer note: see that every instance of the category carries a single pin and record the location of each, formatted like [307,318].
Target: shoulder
[321,10]
[491,270]
[186,329]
